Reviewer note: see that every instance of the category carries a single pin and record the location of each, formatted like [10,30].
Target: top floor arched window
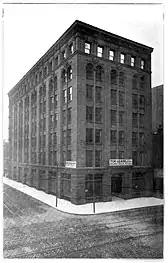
[89,71]
[134,82]
[121,78]
[99,73]
[113,76]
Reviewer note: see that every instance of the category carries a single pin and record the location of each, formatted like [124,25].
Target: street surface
[32,229]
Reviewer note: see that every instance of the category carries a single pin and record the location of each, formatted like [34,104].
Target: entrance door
[116,184]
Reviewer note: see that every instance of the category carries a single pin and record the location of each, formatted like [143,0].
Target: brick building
[158,138]
[86,101]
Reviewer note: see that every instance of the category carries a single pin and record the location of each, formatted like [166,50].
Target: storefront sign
[120,162]
[71,164]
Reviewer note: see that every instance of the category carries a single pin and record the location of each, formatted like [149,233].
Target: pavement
[33,229]
[117,204]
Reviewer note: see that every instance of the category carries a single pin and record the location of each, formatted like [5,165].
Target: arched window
[142,82]
[89,71]
[113,76]
[134,82]
[41,92]
[69,73]
[44,90]
[121,78]
[99,73]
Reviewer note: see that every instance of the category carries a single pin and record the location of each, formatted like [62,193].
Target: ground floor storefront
[86,185]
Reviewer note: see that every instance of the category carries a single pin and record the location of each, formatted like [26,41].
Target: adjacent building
[80,120]
[158,138]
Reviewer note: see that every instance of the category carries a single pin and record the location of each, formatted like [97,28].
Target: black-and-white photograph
[83,130]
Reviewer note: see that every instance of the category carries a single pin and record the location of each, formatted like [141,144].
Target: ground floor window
[93,186]
[66,186]
[52,182]
[116,183]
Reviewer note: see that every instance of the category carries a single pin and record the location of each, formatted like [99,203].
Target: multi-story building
[157,107]
[85,102]
[158,137]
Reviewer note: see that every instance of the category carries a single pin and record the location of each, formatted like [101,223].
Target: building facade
[86,101]
[157,107]
[157,139]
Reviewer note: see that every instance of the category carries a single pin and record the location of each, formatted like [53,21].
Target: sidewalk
[117,204]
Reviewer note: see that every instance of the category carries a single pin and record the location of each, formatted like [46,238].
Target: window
[113,76]
[69,115]
[93,186]
[113,117]
[134,82]
[98,135]
[98,155]
[56,119]
[63,54]
[121,98]
[50,66]
[55,83]
[64,137]
[99,51]
[141,138]
[66,186]
[56,61]
[141,120]
[45,71]
[98,73]
[121,138]
[113,136]
[71,49]
[142,64]
[113,154]
[133,61]
[64,96]
[121,117]
[122,58]
[89,92]
[134,101]
[87,47]
[98,115]
[134,119]
[142,82]
[64,76]
[113,97]
[54,157]
[121,78]
[89,158]
[89,114]
[134,158]
[64,117]
[69,155]
[98,94]
[142,158]
[134,138]
[89,135]
[121,154]
[69,136]
[142,101]
[89,71]
[70,94]
[69,73]
[111,55]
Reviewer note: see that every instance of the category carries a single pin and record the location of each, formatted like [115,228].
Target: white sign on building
[70,164]
[120,162]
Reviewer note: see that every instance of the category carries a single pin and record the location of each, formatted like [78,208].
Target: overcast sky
[30,30]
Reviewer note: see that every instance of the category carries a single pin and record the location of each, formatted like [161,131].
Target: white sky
[30,30]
